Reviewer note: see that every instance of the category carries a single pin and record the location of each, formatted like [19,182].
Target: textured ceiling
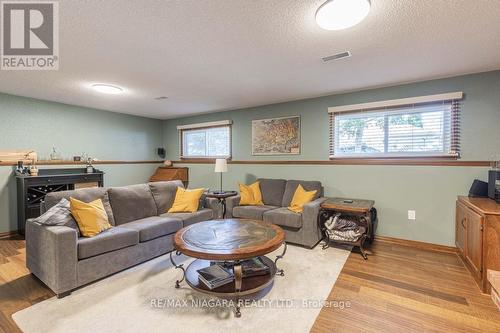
[210,55]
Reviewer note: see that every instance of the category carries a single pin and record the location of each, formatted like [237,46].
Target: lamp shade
[220,165]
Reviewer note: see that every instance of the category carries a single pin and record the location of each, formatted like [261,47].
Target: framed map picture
[276,136]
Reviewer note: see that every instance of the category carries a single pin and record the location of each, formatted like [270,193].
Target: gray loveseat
[301,229]
[141,231]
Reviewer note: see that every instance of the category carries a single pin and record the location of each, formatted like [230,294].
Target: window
[425,126]
[206,140]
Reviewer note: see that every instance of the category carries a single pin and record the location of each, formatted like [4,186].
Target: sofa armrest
[215,206]
[310,213]
[232,202]
[51,255]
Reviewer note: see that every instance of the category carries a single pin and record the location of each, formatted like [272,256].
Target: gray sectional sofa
[301,229]
[142,230]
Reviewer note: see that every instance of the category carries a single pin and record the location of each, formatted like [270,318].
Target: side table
[222,196]
[363,210]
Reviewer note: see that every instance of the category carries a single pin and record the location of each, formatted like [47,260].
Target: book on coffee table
[215,276]
[254,267]
[250,267]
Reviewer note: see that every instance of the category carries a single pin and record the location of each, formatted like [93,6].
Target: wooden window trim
[201,159]
[395,158]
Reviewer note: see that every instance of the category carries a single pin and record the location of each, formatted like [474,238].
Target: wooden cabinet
[31,190]
[477,237]
[171,173]
[474,245]
[460,227]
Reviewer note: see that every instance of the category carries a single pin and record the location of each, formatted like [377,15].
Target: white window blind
[425,129]
[210,141]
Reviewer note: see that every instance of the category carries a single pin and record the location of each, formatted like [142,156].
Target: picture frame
[276,136]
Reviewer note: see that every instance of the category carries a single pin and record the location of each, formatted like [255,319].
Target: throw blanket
[348,235]
[342,228]
[337,222]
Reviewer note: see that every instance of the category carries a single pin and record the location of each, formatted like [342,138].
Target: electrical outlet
[411,215]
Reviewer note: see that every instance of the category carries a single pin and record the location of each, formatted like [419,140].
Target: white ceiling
[210,55]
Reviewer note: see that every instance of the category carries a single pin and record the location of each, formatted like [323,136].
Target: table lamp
[220,166]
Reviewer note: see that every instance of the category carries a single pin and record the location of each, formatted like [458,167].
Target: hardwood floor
[404,289]
[18,288]
[398,289]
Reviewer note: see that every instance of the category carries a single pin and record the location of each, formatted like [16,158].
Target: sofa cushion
[186,201]
[153,227]
[164,194]
[250,195]
[85,195]
[109,240]
[130,203]
[272,191]
[204,214]
[291,187]
[91,217]
[59,214]
[251,212]
[284,217]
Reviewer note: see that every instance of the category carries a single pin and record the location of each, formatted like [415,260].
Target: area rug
[143,299]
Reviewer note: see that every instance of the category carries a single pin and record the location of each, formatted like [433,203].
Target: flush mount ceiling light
[107,88]
[342,14]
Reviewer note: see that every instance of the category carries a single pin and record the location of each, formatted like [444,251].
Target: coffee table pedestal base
[240,287]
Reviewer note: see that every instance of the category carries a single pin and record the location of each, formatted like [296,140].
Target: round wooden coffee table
[229,241]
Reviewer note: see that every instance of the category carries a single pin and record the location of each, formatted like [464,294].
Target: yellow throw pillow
[186,201]
[300,198]
[91,217]
[251,195]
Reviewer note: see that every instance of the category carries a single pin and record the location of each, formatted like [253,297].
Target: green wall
[27,123]
[431,191]
[34,124]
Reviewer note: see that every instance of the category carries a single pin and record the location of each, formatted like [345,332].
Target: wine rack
[31,190]
[36,194]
